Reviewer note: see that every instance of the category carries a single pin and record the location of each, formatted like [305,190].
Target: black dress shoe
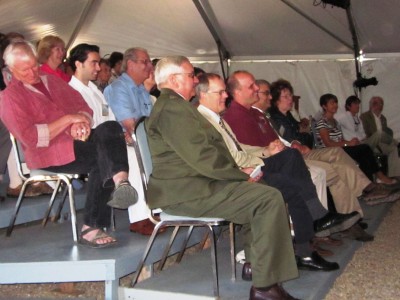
[334,222]
[246,272]
[315,263]
[275,292]
[363,225]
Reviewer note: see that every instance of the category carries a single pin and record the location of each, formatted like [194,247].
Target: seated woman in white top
[329,134]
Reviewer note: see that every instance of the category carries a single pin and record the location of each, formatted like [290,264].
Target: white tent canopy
[310,45]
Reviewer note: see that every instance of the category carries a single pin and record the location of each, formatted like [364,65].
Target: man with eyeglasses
[284,170]
[129,101]
[195,175]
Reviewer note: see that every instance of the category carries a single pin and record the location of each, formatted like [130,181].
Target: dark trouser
[102,156]
[287,172]
[5,147]
[365,159]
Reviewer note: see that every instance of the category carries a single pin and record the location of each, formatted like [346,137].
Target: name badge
[104,110]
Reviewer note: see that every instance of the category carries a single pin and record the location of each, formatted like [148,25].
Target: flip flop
[92,243]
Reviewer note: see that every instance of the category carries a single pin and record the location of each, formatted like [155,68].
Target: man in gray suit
[195,175]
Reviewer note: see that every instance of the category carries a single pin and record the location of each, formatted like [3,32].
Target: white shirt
[249,156]
[378,122]
[95,99]
[351,126]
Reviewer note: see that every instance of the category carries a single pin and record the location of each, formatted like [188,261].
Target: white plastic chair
[43,176]
[167,220]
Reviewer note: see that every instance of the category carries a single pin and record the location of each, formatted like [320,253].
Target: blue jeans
[102,156]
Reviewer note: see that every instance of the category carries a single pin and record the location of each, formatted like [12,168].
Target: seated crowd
[79,118]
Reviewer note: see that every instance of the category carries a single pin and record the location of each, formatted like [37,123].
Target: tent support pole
[356,47]
[223,53]
[80,23]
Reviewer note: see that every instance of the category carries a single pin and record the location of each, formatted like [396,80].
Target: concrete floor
[36,255]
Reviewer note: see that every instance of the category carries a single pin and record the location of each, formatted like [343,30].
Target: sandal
[123,196]
[99,235]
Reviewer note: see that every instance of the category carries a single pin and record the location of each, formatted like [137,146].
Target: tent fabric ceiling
[253,28]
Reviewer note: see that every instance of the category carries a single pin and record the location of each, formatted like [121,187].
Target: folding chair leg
[184,244]
[203,241]
[113,227]
[167,248]
[232,242]
[17,206]
[73,211]
[61,204]
[214,262]
[53,197]
[146,253]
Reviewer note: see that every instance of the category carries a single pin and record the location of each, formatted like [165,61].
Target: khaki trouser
[344,178]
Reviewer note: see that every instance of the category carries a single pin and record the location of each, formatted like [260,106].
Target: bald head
[243,88]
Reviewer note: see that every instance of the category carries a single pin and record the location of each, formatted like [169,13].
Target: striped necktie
[221,122]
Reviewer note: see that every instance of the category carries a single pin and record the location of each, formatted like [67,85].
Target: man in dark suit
[195,175]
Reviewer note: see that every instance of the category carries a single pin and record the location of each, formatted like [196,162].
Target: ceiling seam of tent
[80,23]
[223,52]
[304,15]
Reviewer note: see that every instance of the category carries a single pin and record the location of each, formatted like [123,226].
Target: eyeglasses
[143,61]
[221,92]
[266,93]
[191,75]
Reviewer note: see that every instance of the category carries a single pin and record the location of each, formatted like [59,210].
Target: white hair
[167,66]
[18,49]
[372,100]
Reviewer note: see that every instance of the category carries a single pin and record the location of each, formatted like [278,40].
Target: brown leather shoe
[246,272]
[43,188]
[275,292]
[144,227]
[321,251]
[326,241]
[30,191]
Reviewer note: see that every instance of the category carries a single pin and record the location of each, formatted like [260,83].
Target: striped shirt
[335,132]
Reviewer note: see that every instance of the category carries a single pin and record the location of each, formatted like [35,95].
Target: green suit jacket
[369,124]
[190,158]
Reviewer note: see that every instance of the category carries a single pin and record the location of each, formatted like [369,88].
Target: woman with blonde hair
[51,52]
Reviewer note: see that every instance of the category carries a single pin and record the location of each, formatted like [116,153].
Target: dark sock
[303,249]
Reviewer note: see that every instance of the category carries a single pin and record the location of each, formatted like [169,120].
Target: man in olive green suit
[195,175]
[380,136]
